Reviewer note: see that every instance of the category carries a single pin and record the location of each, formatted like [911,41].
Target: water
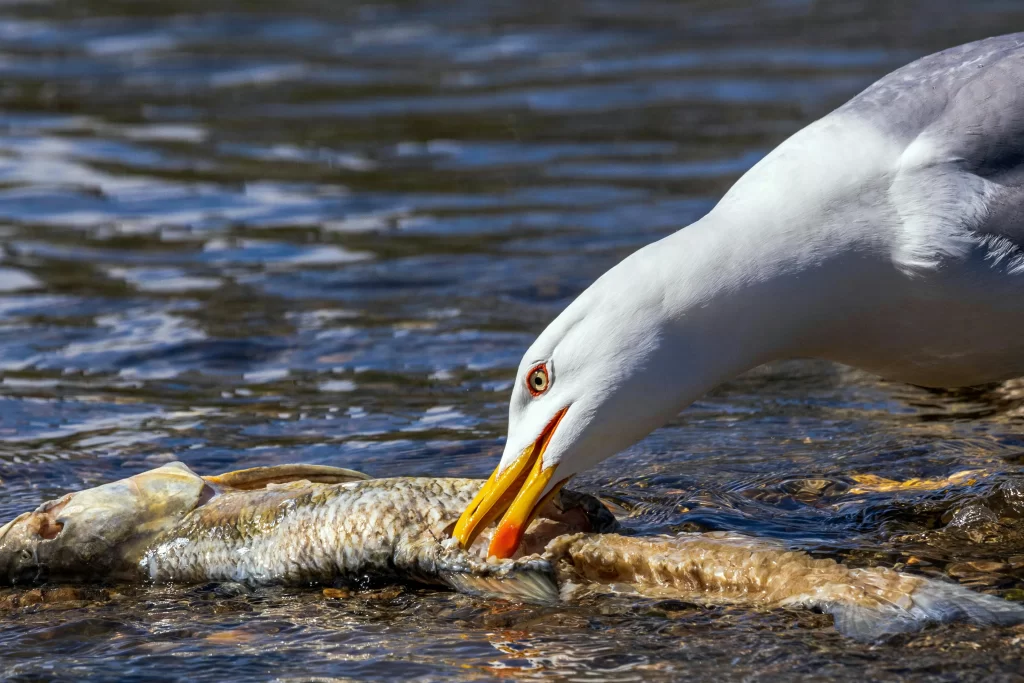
[246,234]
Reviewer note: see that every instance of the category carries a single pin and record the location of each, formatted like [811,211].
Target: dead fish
[304,525]
[292,525]
[728,568]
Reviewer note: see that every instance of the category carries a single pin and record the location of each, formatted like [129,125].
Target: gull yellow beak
[517,489]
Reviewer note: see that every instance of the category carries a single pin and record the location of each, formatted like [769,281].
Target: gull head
[598,379]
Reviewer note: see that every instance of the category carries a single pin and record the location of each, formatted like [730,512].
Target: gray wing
[964,110]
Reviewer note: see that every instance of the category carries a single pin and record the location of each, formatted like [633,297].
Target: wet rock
[337,593]
[63,594]
[52,596]
[231,607]
[972,515]
[230,589]
[980,574]
[383,594]
[32,597]
[1011,495]
[962,569]
[982,581]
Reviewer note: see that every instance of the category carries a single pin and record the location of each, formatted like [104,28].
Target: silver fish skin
[302,525]
[302,533]
[264,526]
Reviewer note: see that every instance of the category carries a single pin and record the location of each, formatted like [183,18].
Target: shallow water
[238,235]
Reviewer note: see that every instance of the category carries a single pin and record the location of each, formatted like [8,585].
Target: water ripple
[237,236]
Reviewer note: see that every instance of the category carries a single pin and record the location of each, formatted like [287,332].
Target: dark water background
[239,234]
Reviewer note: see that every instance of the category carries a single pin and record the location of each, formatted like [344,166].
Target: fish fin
[531,585]
[933,602]
[260,477]
[871,623]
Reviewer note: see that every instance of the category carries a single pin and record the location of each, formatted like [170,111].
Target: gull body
[887,235]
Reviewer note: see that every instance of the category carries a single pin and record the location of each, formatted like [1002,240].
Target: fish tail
[930,602]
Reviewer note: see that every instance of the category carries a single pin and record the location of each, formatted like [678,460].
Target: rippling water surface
[241,234]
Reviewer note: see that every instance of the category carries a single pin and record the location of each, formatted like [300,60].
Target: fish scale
[330,533]
[171,525]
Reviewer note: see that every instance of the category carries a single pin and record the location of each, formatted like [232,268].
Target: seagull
[888,235]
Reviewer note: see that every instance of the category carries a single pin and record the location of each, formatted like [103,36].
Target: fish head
[99,532]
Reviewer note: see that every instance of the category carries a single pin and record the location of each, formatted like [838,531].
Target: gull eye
[537,380]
